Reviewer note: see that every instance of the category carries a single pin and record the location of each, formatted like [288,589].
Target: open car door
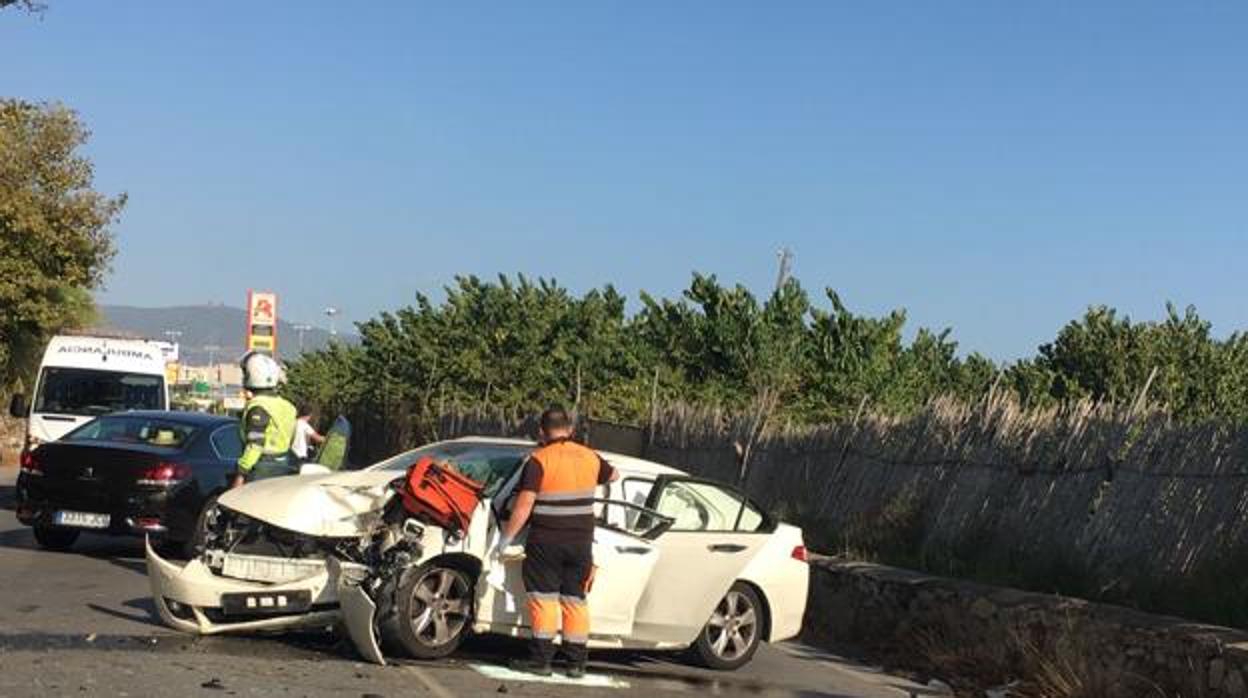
[333,453]
[624,557]
[715,532]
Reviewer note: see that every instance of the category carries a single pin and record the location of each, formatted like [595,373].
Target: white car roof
[627,465]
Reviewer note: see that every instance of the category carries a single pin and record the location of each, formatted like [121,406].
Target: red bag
[440,496]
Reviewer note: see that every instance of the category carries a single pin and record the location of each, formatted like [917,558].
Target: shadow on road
[125,553]
[8,497]
[809,653]
[144,607]
[20,538]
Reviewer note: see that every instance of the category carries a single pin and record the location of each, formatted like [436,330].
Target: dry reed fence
[1094,500]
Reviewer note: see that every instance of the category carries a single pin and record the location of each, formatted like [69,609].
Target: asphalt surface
[83,623]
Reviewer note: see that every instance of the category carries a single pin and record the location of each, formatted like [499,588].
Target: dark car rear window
[134,429]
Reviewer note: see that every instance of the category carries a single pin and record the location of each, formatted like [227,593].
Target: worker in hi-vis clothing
[556,499]
[268,423]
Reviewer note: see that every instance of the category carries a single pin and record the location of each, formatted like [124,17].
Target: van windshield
[87,392]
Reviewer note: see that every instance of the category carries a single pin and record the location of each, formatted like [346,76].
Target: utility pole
[301,328]
[212,354]
[332,312]
[785,255]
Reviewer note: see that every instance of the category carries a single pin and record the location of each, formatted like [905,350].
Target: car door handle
[632,550]
[726,548]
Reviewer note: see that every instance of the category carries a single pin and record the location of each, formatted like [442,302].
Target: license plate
[81,519]
[266,603]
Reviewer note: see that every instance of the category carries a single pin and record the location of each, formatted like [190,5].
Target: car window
[489,464]
[227,442]
[134,429]
[628,518]
[82,391]
[704,506]
[635,490]
[629,490]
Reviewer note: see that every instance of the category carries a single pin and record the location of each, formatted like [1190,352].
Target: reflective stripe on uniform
[578,510]
[566,496]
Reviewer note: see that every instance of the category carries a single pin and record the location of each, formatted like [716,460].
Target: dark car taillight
[165,474]
[30,464]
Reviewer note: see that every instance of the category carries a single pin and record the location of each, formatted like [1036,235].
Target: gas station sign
[262,321]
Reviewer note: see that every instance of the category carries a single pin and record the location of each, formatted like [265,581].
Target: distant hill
[204,326]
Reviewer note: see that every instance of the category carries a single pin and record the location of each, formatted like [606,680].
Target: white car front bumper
[186,596]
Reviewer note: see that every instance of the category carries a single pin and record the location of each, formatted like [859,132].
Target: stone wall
[976,636]
[12,432]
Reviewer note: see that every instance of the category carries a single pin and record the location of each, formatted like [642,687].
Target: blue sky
[992,167]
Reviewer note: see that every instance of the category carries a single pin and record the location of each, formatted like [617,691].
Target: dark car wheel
[58,539]
[735,628]
[194,546]
[432,611]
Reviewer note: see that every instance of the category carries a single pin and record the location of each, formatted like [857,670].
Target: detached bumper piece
[359,612]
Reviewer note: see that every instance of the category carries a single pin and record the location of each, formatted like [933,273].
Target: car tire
[194,546]
[430,613]
[53,538]
[734,630]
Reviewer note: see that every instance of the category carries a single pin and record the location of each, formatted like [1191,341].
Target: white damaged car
[683,563]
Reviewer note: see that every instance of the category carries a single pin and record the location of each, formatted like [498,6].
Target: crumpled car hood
[337,505]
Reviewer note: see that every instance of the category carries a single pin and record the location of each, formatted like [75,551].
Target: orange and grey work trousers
[556,580]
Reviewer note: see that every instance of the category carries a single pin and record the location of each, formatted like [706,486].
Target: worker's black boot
[531,666]
[538,662]
[577,656]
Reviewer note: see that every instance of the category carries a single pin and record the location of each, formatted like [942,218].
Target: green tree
[55,241]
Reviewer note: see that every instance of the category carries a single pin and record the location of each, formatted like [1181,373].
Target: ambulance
[82,377]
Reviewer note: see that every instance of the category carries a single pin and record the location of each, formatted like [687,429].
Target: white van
[83,377]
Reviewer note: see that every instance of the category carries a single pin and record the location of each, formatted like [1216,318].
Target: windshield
[487,463]
[151,431]
[86,392]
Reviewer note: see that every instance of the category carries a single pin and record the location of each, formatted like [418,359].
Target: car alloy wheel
[432,612]
[734,630]
[439,606]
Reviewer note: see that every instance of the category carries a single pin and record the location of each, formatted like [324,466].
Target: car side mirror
[18,406]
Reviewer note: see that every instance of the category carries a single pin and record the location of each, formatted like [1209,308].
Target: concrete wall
[937,625]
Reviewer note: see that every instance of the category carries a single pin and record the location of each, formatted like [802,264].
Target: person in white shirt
[305,435]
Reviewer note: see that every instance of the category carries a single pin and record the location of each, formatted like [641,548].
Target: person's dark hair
[555,418]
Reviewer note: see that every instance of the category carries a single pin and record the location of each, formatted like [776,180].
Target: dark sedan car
[129,473]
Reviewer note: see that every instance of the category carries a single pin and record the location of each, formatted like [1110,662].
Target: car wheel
[735,628]
[432,611]
[194,547]
[58,539]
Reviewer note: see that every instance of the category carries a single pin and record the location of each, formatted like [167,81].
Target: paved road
[82,622]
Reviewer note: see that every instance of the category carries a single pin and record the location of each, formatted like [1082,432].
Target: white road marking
[436,688]
[500,673]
